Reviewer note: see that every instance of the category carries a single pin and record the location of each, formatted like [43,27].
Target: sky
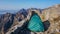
[19,4]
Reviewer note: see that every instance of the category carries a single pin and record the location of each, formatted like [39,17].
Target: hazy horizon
[19,4]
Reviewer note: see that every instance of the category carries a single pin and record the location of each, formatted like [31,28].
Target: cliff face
[9,20]
[16,23]
[52,14]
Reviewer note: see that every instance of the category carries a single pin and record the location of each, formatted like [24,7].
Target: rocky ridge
[50,17]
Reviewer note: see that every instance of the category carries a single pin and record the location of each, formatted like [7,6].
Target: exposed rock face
[6,21]
[52,14]
[9,20]
[17,23]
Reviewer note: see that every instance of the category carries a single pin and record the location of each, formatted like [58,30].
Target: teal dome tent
[35,23]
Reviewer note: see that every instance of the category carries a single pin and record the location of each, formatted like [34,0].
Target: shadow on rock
[22,30]
[46,25]
[8,23]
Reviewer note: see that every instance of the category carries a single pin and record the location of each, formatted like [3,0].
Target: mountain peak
[57,5]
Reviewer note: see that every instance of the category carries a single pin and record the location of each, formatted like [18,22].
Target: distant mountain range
[7,11]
